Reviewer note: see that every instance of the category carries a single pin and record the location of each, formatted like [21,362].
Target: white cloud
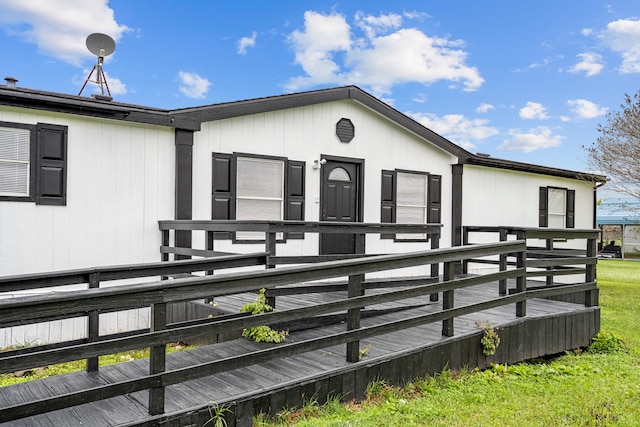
[591,64]
[385,56]
[623,36]
[373,25]
[533,110]
[116,86]
[192,85]
[484,108]
[60,27]
[544,62]
[246,42]
[534,139]
[414,14]
[419,98]
[314,48]
[586,109]
[457,128]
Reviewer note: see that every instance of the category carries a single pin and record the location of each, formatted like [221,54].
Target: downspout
[596,185]
[456,205]
[456,209]
[184,183]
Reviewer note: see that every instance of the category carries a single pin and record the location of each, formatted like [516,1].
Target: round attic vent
[345,130]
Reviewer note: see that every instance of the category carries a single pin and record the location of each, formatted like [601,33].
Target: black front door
[339,202]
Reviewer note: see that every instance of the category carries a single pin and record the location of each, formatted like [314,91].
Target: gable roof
[260,105]
[191,118]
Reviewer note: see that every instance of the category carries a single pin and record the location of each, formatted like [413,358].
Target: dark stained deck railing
[271,229]
[156,295]
[176,234]
[548,261]
[93,277]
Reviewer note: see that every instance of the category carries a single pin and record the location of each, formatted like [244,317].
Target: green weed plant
[262,333]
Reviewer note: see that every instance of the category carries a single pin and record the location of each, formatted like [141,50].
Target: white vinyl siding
[557,199]
[14,162]
[259,191]
[411,201]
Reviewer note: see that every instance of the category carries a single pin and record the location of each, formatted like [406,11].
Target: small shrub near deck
[490,338]
[607,342]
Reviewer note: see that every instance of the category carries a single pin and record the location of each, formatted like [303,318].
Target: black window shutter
[388,200]
[294,194]
[571,208]
[434,199]
[223,189]
[543,212]
[51,165]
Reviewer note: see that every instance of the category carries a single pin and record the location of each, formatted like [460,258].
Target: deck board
[308,373]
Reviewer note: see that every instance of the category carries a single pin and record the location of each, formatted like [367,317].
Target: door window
[339,174]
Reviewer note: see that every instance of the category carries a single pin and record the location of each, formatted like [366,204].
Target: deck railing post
[465,241]
[165,242]
[157,358]
[549,247]
[209,239]
[502,283]
[435,268]
[361,238]
[353,316]
[447,299]
[270,248]
[208,243]
[591,297]
[93,323]
[521,281]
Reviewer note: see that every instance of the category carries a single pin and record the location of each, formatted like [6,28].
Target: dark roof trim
[61,103]
[528,167]
[191,118]
[408,123]
[261,105]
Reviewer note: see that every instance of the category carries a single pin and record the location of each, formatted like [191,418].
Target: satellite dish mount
[101,45]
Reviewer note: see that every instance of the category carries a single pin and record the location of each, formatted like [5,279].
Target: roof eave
[69,104]
[532,168]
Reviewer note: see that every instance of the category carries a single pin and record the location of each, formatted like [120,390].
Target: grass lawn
[578,389]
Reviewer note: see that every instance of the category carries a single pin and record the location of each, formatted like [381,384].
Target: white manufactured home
[84,181]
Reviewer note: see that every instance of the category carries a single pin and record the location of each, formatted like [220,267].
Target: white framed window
[410,197]
[411,201]
[15,154]
[557,207]
[259,191]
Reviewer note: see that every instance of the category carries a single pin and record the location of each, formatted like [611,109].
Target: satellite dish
[100,45]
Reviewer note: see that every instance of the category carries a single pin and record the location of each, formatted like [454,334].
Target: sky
[521,80]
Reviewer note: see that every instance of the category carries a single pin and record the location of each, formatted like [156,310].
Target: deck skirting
[520,340]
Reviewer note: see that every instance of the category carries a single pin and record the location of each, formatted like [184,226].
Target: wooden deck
[549,327]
